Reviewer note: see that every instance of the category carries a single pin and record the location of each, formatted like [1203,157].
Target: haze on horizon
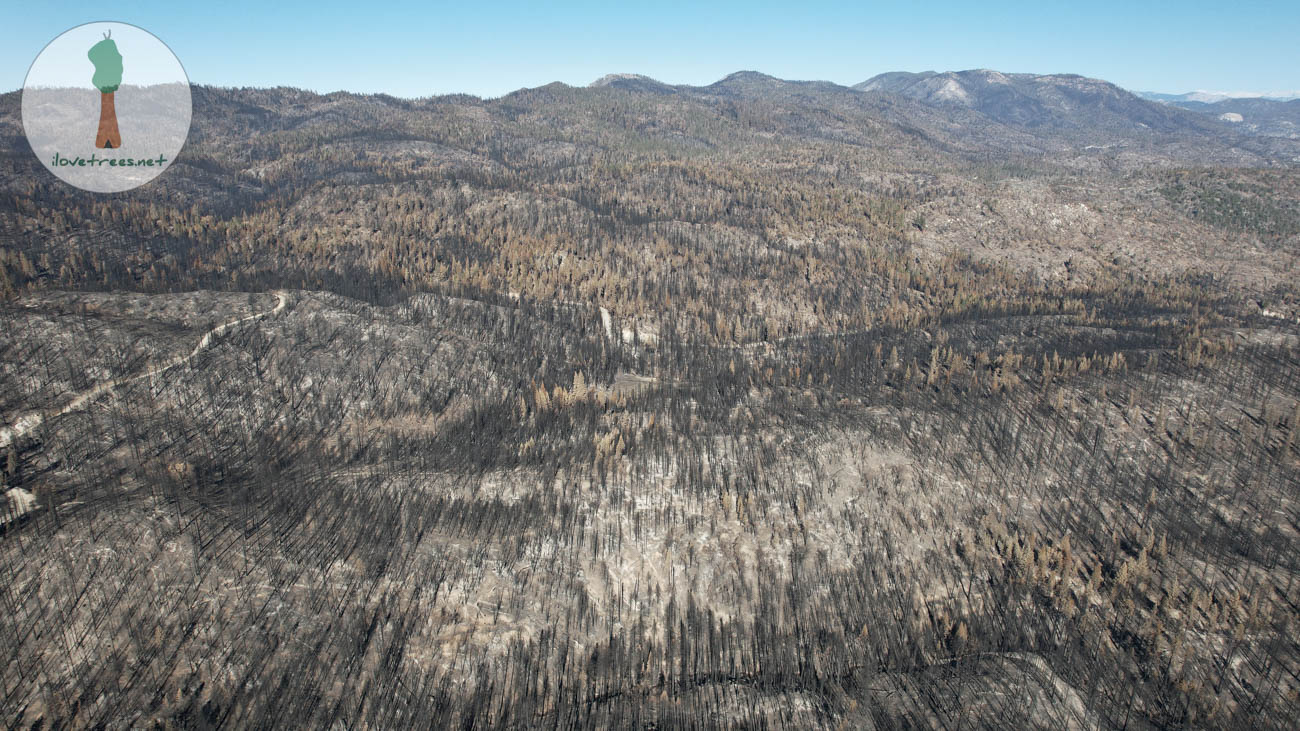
[410,50]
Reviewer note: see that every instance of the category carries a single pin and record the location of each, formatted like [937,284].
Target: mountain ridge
[1213,97]
[980,112]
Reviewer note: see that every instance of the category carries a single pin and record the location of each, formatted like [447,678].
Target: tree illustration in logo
[108,76]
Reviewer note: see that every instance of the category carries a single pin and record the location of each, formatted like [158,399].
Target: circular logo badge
[106,107]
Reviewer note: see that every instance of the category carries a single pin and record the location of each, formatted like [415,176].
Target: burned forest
[763,404]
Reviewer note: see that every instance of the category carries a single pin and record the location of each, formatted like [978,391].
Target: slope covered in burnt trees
[780,404]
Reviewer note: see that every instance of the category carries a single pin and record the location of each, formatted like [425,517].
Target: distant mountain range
[1211,97]
[1030,100]
[1083,110]
[1273,115]
[245,144]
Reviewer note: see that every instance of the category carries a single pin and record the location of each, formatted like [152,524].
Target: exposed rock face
[1031,100]
[632,82]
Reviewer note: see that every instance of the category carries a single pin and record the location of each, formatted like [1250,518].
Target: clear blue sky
[423,48]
